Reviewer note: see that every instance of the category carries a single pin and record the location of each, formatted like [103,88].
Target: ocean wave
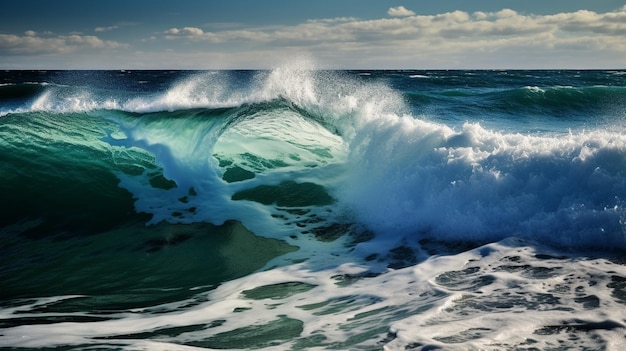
[406,178]
[265,210]
[216,134]
[418,179]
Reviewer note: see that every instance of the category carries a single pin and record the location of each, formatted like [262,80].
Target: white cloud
[455,39]
[506,13]
[453,34]
[33,44]
[448,26]
[185,32]
[333,20]
[105,29]
[613,23]
[400,11]
[481,15]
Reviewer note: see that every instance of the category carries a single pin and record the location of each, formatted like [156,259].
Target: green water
[133,266]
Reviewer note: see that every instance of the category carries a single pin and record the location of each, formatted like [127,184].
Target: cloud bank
[411,27]
[33,43]
[451,37]
[400,38]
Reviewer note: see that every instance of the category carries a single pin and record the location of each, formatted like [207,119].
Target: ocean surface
[306,209]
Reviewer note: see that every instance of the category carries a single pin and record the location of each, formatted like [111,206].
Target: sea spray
[479,185]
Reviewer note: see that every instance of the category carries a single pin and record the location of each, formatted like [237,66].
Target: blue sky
[212,34]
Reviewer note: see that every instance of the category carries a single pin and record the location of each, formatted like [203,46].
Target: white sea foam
[56,99]
[202,90]
[424,179]
[500,296]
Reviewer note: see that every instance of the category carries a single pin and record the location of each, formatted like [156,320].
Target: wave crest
[416,179]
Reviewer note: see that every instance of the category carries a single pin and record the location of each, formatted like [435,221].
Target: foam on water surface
[504,295]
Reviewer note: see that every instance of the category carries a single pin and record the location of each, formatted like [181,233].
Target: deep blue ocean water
[296,208]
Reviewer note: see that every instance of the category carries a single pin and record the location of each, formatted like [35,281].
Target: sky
[335,34]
